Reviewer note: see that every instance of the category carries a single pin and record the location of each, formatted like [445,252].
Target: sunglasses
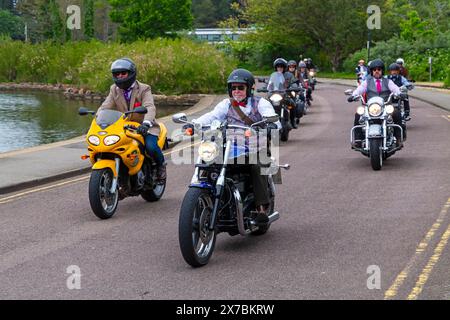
[377,69]
[120,73]
[240,88]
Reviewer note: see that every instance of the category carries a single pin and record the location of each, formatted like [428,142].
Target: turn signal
[84,157]
[189,132]
[248,133]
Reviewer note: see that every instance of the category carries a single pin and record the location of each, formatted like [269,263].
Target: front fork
[220,185]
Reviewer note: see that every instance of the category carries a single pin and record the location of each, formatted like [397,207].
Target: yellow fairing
[162,135]
[127,146]
[104,163]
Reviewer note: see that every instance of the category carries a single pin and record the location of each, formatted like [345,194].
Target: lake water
[29,119]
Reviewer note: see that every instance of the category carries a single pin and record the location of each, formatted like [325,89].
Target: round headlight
[389,109]
[375,110]
[276,98]
[208,151]
[360,110]
[110,140]
[293,94]
[94,140]
[311,74]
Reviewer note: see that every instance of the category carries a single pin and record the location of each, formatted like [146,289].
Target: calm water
[33,118]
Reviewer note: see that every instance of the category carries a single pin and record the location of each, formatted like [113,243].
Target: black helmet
[241,76]
[120,65]
[280,62]
[292,63]
[394,66]
[377,63]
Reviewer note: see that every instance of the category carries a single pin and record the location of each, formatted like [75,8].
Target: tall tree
[150,18]
[11,25]
[89,19]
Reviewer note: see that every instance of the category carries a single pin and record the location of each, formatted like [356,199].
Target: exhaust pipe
[274,217]
[286,166]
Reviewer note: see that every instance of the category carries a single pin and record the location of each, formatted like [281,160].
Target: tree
[11,25]
[333,29]
[89,19]
[7,5]
[150,18]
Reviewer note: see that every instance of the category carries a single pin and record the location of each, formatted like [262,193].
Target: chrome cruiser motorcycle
[220,197]
[377,125]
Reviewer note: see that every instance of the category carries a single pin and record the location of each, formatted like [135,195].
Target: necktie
[378,85]
[235,103]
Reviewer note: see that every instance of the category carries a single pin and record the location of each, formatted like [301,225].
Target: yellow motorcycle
[120,166]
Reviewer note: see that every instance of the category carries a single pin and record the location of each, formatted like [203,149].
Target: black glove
[143,129]
[403,95]
[271,126]
[351,99]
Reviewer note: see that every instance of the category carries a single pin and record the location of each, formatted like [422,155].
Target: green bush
[169,66]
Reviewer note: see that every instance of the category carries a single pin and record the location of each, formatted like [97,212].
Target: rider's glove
[351,99]
[403,96]
[271,126]
[143,129]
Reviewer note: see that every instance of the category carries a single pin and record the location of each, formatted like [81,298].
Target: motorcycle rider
[361,71]
[292,70]
[400,81]
[403,71]
[243,108]
[376,85]
[278,80]
[126,94]
[302,76]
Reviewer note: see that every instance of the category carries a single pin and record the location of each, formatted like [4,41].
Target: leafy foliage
[142,19]
[170,66]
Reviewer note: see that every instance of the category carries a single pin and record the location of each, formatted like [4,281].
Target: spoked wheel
[196,240]
[103,202]
[376,153]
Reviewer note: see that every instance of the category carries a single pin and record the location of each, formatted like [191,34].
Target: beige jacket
[141,95]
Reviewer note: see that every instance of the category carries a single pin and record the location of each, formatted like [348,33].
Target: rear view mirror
[348,92]
[179,118]
[85,111]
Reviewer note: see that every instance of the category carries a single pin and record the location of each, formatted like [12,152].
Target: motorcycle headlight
[110,140]
[276,98]
[94,140]
[293,94]
[311,74]
[389,109]
[208,151]
[375,110]
[360,110]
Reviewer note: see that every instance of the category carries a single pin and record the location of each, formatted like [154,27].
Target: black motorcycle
[220,197]
[285,104]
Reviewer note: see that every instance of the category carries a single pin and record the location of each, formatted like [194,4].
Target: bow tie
[235,103]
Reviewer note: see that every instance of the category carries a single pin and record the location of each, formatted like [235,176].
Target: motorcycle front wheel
[376,153]
[196,240]
[103,202]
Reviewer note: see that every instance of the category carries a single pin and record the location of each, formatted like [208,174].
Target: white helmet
[400,61]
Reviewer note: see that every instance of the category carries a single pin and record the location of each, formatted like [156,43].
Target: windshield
[105,118]
[276,82]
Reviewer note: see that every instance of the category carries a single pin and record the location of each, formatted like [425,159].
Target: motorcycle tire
[196,241]
[376,153]
[154,194]
[103,203]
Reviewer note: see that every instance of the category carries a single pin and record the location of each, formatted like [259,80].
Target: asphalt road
[341,223]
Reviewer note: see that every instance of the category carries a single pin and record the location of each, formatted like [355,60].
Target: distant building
[218,35]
